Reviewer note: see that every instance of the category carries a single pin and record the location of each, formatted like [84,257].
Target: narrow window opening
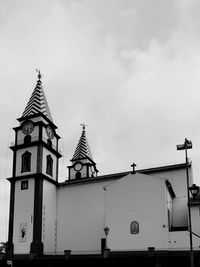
[78,175]
[27,139]
[49,169]
[26,162]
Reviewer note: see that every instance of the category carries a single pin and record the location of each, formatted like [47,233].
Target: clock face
[78,166]
[28,127]
[50,132]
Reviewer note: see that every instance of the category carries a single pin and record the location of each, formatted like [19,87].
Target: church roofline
[92,180]
[122,174]
[165,168]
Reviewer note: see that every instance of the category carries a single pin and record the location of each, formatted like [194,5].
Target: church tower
[83,165]
[34,178]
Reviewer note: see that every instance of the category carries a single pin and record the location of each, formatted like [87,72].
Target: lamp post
[188,145]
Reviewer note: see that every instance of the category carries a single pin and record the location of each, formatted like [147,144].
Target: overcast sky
[129,69]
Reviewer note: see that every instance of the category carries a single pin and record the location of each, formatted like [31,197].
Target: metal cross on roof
[133,166]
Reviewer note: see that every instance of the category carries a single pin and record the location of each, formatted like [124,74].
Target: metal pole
[189,208]
[106,246]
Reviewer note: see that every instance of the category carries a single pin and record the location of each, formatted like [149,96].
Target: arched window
[134,228]
[26,162]
[27,139]
[78,175]
[49,169]
[49,142]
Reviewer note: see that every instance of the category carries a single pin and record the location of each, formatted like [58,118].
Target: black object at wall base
[37,248]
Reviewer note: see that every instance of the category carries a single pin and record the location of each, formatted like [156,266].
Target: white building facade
[143,209]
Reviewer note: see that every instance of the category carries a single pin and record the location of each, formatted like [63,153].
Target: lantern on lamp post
[194,189]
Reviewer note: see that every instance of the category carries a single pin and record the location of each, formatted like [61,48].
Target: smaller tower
[83,165]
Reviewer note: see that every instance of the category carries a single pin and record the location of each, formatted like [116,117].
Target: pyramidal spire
[82,149]
[37,102]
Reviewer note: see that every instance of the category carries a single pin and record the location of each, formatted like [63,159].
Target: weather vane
[83,125]
[39,74]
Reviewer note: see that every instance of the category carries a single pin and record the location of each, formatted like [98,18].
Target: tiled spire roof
[82,149]
[37,102]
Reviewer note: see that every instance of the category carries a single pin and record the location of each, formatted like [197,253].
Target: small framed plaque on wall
[22,232]
[134,228]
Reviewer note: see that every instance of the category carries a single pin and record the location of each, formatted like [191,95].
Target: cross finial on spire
[83,125]
[39,74]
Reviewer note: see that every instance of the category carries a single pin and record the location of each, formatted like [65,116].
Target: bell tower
[83,165]
[34,177]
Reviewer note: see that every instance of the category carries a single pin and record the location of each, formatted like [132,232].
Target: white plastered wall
[23,214]
[84,210]
[140,198]
[80,218]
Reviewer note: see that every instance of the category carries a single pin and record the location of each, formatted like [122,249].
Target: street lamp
[188,145]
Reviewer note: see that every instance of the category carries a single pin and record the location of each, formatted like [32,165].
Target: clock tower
[34,179]
[83,165]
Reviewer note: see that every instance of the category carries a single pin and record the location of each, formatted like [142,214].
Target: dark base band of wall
[136,259]
[9,249]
